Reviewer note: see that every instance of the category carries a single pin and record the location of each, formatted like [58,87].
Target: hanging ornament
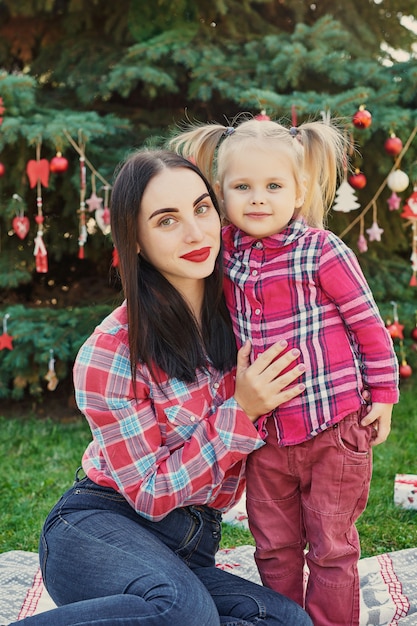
[2,110]
[20,223]
[38,172]
[345,199]
[82,236]
[2,170]
[394,202]
[262,116]
[405,369]
[94,203]
[410,213]
[59,164]
[362,243]
[357,180]
[410,207]
[413,333]
[375,231]
[5,338]
[362,118]
[51,376]
[102,215]
[393,145]
[115,258]
[394,328]
[397,180]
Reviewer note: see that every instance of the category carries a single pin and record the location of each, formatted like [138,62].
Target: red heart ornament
[38,170]
[21,226]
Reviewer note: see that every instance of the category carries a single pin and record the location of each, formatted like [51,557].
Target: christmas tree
[84,83]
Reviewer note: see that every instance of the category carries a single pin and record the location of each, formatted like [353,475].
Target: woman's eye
[167,221]
[203,208]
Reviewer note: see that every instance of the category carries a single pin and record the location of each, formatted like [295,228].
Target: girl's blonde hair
[317,149]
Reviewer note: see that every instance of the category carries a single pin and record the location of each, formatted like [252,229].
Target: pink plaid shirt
[175,446]
[305,285]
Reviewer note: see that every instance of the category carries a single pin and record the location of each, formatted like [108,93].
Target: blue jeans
[104,565]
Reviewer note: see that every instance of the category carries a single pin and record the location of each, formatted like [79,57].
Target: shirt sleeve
[128,445]
[342,279]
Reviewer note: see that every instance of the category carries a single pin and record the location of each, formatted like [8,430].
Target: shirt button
[192,418]
[259,244]
[216,385]
[257,311]
[254,272]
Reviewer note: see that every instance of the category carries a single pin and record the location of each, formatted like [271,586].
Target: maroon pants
[302,503]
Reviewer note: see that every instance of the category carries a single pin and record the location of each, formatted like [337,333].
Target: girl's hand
[380,417]
[260,386]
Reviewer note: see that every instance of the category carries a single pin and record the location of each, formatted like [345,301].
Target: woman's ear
[138,248]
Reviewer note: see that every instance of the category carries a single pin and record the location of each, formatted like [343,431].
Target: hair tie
[294,131]
[229,131]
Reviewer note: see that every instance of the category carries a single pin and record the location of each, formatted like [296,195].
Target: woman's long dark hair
[162,329]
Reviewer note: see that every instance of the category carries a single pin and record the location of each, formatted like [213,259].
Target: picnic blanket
[388,581]
[388,584]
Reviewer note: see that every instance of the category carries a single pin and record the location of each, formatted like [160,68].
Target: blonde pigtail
[324,152]
[199,145]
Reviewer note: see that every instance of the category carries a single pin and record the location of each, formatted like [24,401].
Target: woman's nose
[193,231]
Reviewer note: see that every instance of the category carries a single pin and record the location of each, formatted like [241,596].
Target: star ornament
[394,202]
[6,341]
[94,202]
[375,232]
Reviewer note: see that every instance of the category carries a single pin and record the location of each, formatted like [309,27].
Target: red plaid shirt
[180,445]
[305,285]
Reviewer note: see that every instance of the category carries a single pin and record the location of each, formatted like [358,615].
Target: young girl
[288,278]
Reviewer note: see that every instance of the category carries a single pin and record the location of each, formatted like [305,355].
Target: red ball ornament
[262,117]
[362,118]
[357,180]
[413,334]
[405,370]
[393,145]
[58,164]
[2,169]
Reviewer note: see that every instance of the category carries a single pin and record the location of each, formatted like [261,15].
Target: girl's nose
[257,198]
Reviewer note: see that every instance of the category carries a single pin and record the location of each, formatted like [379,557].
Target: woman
[134,542]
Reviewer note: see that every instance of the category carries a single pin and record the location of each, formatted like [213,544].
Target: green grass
[38,459]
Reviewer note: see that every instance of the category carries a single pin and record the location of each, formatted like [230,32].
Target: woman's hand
[260,386]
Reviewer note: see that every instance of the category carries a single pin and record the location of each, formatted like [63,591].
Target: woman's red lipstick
[197,256]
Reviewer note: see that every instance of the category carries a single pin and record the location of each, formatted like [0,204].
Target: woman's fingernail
[283,343]
[295,352]
[301,367]
[301,387]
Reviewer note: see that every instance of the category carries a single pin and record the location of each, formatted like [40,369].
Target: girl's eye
[242,187]
[273,186]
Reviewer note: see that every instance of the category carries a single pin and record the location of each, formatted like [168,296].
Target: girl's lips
[197,256]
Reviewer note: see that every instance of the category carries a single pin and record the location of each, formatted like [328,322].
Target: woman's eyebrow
[203,195]
[172,210]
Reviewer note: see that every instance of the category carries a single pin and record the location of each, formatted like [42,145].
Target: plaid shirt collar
[238,240]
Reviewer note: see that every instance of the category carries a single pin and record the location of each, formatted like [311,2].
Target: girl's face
[179,227]
[259,191]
